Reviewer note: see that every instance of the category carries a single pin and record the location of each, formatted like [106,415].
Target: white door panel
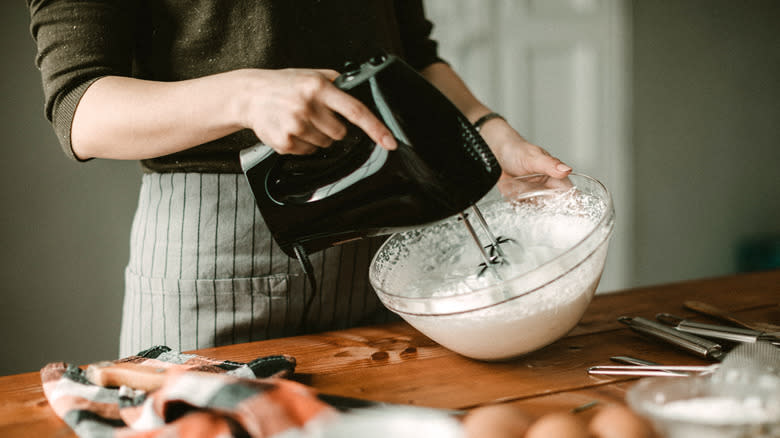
[557,70]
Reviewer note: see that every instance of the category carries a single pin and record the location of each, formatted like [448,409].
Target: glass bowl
[680,407]
[559,231]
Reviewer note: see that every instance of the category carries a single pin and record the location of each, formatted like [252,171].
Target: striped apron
[204,271]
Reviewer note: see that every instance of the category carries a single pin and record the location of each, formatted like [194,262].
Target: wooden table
[395,363]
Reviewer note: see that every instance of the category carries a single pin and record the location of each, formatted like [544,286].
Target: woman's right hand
[295,111]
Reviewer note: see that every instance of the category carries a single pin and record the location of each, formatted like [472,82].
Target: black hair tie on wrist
[484,119]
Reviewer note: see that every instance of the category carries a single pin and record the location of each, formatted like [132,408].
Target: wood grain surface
[395,363]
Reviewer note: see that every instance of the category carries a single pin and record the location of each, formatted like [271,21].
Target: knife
[653,370]
[628,360]
[690,342]
[720,332]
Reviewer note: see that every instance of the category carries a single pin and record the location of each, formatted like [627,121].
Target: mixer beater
[492,254]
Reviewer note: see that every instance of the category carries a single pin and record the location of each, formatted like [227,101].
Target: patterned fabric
[222,399]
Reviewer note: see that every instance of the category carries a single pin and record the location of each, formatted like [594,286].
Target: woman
[183,87]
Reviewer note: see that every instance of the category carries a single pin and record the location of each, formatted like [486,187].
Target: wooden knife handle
[710,310]
[109,374]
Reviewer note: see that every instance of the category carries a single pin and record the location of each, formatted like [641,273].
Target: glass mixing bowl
[559,232]
[694,407]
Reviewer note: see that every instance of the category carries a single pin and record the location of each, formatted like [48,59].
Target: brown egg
[617,421]
[558,425]
[496,421]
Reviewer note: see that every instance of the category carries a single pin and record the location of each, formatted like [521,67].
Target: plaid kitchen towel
[222,399]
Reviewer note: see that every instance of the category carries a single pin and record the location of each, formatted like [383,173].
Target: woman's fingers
[544,163]
[353,110]
[295,110]
[357,113]
[326,122]
[302,147]
[524,158]
[298,146]
[519,157]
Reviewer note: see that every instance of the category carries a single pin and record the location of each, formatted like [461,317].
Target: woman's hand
[516,155]
[294,111]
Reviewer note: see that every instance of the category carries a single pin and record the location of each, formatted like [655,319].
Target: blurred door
[558,71]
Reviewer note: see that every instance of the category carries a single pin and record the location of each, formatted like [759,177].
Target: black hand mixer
[356,189]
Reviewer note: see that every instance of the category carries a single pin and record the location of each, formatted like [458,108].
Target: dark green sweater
[169,40]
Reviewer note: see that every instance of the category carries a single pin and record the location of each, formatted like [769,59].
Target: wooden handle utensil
[110,374]
[710,310]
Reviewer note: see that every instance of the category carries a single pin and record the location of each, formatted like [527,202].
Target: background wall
[558,71]
[706,145]
[64,226]
[706,134]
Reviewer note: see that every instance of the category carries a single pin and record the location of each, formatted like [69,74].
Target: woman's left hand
[516,155]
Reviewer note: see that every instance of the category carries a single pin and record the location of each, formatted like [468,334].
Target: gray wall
[706,133]
[706,145]
[64,227]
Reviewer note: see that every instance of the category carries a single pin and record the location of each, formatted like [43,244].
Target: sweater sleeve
[78,42]
[420,50]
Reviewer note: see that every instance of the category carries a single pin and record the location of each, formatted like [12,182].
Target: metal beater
[492,254]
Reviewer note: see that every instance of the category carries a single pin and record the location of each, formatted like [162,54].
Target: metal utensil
[746,362]
[628,360]
[492,254]
[695,344]
[652,370]
[720,332]
[714,311]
